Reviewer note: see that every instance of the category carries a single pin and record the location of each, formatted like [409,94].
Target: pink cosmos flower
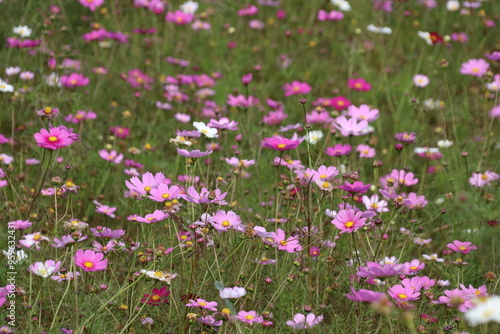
[250,317]
[104,209]
[48,112]
[456,298]
[291,245]
[248,11]
[106,232]
[413,267]
[373,203]
[482,179]
[164,193]
[74,80]
[348,221]
[482,291]
[350,127]
[332,16]
[91,4]
[463,247]
[89,260]
[296,87]
[80,115]
[152,218]
[144,184]
[193,154]
[247,79]
[363,113]
[111,156]
[98,247]
[120,131]
[365,296]
[414,201]
[205,196]
[222,221]
[338,150]
[33,239]
[402,293]
[45,269]
[375,269]
[420,80]
[179,17]
[20,224]
[274,117]
[359,85]
[365,151]
[53,139]
[475,67]
[326,173]
[280,143]
[223,124]
[405,137]
[203,304]
[301,321]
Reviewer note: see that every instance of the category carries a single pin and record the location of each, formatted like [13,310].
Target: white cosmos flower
[207,131]
[313,137]
[342,4]
[189,7]
[22,31]
[444,143]
[484,312]
[452,5]
[379,30]
[5,87]
[232,293]
[426,36]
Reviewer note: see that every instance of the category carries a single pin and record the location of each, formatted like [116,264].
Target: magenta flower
[106,232]
[203,304]
[74,80]
[350,127]
[291,245]
[179,17]
[53,139]
[247,79]
[89,260]
[301,321]
[357,187]
[340,103]
[193,154]
[402,293]
[91,4]
[296,87]
[249,317]
[120,131]
[405,137]
[248,11]
[359,85]
[348,221]
[280,143]
[475,67]
[338,150]
[365,296]
[463,247]
[157,296]
[154,217]
[495,112]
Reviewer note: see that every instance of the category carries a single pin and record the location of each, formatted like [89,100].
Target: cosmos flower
[89,260]
[301,321]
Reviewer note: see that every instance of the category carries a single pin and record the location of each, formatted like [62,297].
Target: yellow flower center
[158,274]
[402,296]
[165,196]
[249,317]
[325,185]
[322,176]
[52,139]
[73,82]
[349,224]
[88,264]
[155,297]
[281,145]
[226,223]
[148,188]
[340,103]
[357,85]
[283,243]
[202,304]
[37,236]
[462,248]
[47,110]
[484,177]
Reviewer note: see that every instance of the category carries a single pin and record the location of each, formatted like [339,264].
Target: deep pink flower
[348,221]
[357,187]
[157,296]
[461,246]
[74,80]
[340,103]
[91,4]
[89,260]
[248,11]
[280,143]
[53,139]
[296,87]
[247,79]
[475,67]
[405,137]
[359,85]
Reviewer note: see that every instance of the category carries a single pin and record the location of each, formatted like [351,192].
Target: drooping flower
[89,260]
[301,321]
